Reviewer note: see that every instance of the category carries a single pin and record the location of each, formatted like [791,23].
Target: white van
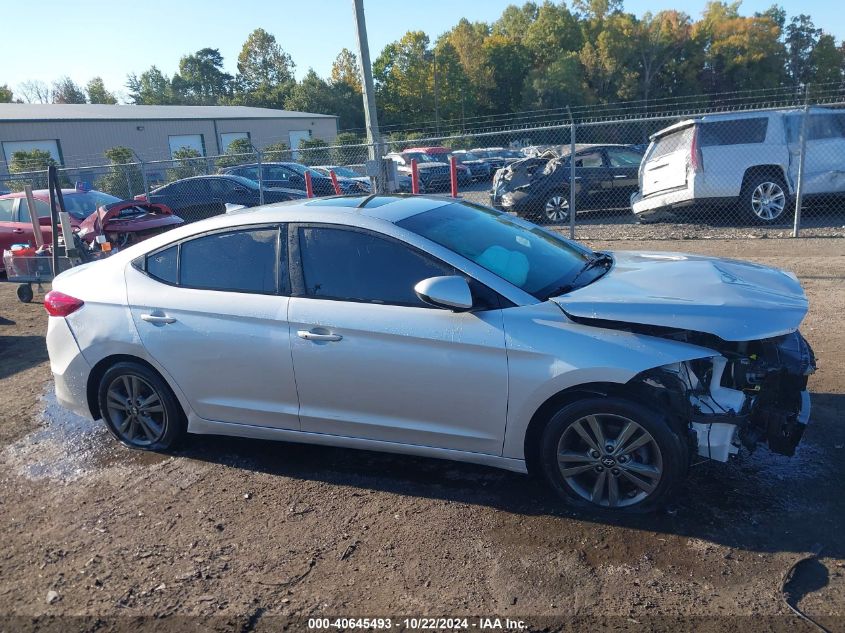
[746,160]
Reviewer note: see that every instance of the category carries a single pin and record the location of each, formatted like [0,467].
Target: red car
[91,212]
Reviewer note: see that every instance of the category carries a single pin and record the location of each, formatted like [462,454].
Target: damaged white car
[438,328]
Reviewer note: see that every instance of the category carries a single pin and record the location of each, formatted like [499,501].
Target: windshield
[465,157]
[344,172]
[528,257]
[301,169]
[82,204]
[419,157]
[246,182]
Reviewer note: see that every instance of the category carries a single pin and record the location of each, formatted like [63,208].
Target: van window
[671,143]
[736,132]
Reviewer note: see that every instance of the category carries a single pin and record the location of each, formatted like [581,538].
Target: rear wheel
[139,408]
[765,197]
[612,454]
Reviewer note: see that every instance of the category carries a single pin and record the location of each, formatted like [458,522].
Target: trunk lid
[666,164]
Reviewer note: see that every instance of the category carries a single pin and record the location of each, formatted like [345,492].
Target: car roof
[42,193]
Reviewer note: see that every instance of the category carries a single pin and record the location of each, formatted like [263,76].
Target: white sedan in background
[439,328]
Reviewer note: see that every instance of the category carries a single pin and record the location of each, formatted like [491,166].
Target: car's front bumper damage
[751,393]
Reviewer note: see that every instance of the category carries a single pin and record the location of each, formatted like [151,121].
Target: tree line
[533,57]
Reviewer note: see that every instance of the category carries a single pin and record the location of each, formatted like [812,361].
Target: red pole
[415,176]
[309,188]
[334,182]
[453,172]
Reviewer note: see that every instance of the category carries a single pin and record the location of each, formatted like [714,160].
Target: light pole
[367,88]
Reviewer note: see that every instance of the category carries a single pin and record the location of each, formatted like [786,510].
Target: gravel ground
[245,535]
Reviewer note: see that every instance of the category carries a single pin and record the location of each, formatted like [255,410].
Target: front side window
[529,258]
[593,159]
[623,158]
[242,261]
[42,209]
[356,266]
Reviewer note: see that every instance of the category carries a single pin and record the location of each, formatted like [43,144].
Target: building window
[187,141]
[227,138]
[51,146]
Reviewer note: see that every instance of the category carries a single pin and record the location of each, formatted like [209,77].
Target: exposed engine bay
[753,392]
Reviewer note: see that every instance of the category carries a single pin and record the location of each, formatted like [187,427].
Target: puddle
[67,447]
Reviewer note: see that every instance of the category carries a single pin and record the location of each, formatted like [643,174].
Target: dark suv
[292,176]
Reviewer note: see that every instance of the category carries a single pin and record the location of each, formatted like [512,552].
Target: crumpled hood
[734,300]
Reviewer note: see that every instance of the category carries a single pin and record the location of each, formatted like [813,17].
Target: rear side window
[737,132]
[356,266]
[41,208]
[163,265]
[241,261]
[670,143]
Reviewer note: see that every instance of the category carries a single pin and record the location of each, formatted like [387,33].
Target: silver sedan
[437,328]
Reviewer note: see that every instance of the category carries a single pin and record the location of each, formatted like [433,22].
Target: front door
[624,165]
[373,361]
[212,311]
[592,179]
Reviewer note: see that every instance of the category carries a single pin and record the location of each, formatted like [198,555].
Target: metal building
[77,135]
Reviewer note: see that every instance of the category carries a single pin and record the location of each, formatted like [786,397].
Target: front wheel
[612,454]
[556,208]
[765,197]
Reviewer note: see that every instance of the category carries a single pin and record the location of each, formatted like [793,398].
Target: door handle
[621,176]
[158,319]
[17,231]
[317,336]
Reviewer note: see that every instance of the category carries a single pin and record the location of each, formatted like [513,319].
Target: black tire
[25,293]
[663,453]
[158,427]
[765,199]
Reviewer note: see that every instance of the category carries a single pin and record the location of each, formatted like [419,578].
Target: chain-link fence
[753,172]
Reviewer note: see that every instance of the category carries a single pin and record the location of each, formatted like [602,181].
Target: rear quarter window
[738,132]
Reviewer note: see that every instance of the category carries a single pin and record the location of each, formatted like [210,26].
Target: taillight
[59,304]
[696,160]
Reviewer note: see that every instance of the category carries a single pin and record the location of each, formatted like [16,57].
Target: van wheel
[139,408]
[765,197]
[612,454]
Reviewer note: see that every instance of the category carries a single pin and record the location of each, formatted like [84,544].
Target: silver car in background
[438,328]
[748,160]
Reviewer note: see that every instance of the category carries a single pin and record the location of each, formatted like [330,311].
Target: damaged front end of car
[750,393]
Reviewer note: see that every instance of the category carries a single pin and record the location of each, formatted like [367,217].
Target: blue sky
[113,37]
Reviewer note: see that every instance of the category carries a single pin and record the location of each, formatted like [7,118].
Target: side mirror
[452,293]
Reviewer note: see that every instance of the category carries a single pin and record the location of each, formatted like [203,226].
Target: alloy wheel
[768,200]
[557,208]
[136,410]
[609,460]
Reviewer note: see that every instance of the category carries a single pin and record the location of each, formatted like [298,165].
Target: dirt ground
[247,535]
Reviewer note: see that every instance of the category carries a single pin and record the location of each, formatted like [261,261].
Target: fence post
[309,187]
[143,174]
[260,177]
[571,176]
[415,177]
[799,187]
[335,183]
[453,175]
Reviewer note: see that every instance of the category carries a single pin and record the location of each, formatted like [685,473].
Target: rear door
[10,231]
[665,165]
[624,165]
[212,311]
